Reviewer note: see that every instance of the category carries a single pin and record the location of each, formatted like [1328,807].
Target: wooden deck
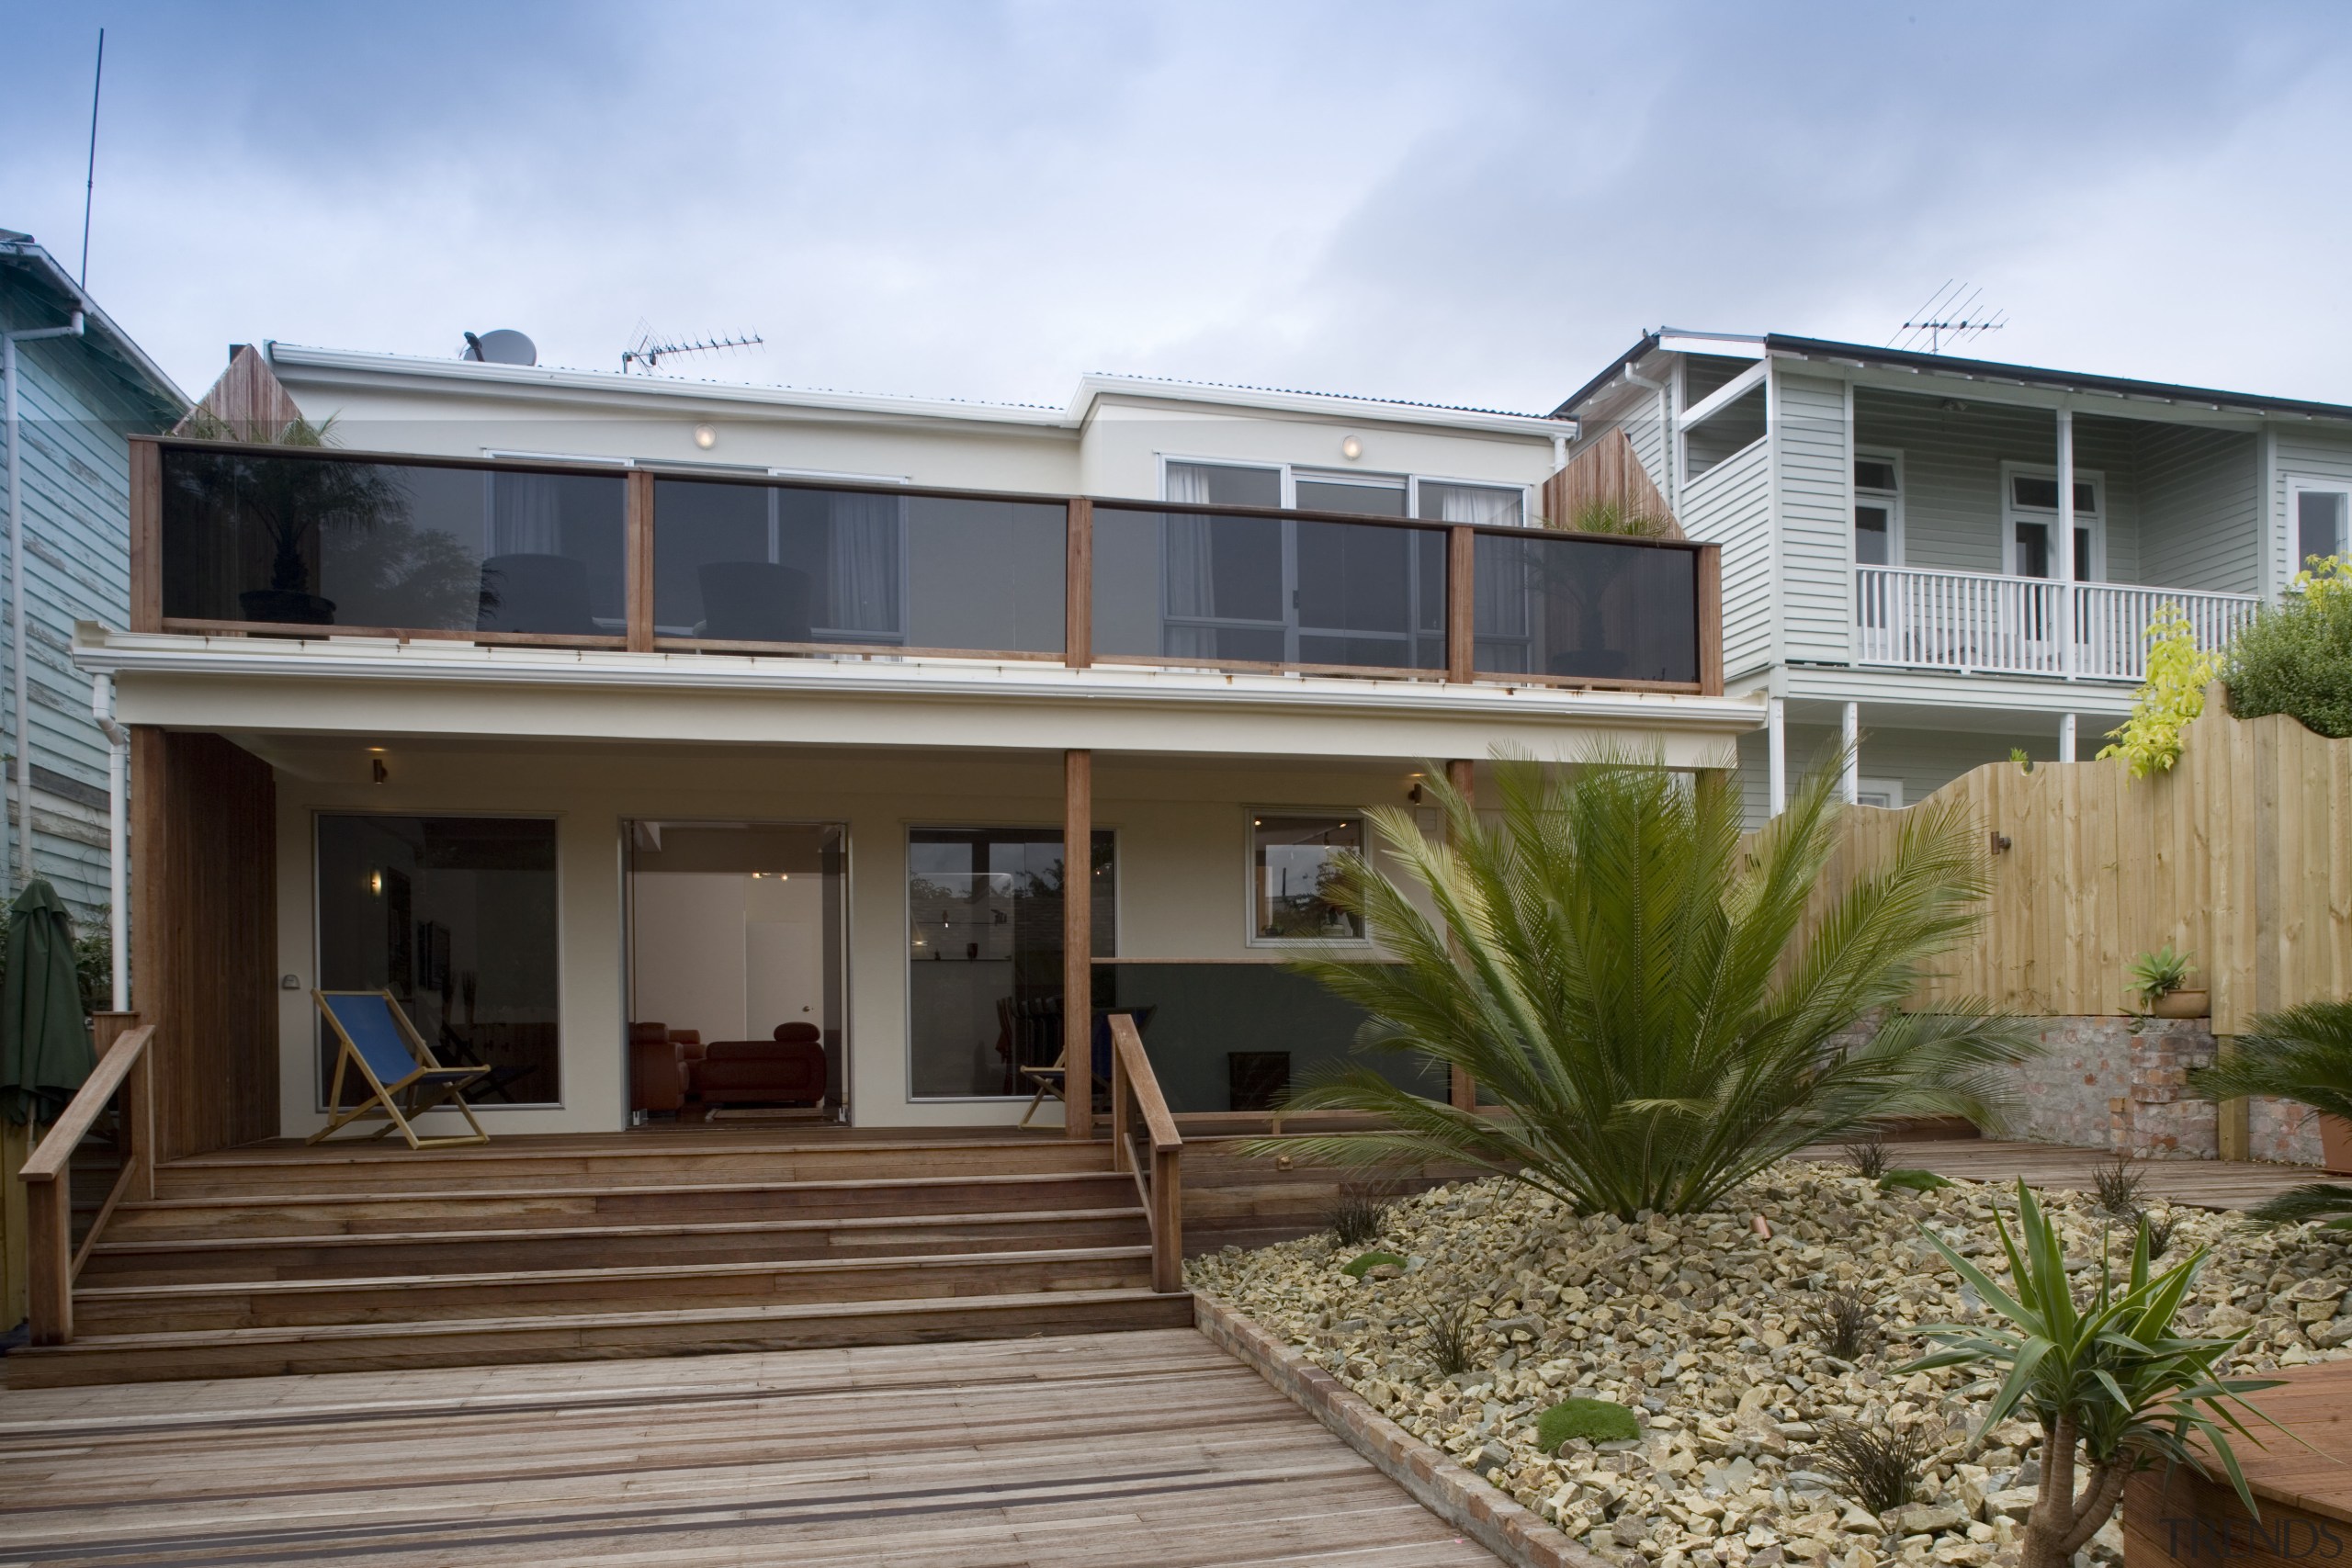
[2303,1482]
[1142,1447]
[2197,1183]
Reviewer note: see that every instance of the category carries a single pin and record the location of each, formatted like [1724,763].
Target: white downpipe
[2066,737]
[1776,739]
[118,836]
[1849,736]
[16,617]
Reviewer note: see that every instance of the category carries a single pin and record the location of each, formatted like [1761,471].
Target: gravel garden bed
[1709,1330]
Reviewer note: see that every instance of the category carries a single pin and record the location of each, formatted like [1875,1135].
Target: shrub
[2296,658]
[1363,1263]
[1616,517]
[1357,1217]
[1594,1420]
[2173,693]
[1868,1156]
[1878,1467]
[1844,1324]
[2304,1054]
[1449,1334]
[1643,993]
[2109,1377]
[2120,1188]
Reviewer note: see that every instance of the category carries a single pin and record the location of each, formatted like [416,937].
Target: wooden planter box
[2335,1145]
[2184,1004]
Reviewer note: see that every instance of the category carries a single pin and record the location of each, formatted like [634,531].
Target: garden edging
[1484,1513]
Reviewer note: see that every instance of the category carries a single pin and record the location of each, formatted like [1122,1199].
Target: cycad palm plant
[1641,993]
[2304,1054]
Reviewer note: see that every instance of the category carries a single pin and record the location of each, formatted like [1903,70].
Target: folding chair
[375,1039]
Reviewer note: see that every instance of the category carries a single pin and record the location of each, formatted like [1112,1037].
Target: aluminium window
[2320,514]
[1295,859]
[2029,523]
[1878,509]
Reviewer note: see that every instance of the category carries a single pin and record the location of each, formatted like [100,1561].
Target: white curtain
[1502,584]
[525,515]
[865,565]
[1190,587]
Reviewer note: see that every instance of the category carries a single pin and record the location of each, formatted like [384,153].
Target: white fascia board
[101,651]
[1724,346]
[2049,397]
[1950,690]
[326,366]
[1093,386]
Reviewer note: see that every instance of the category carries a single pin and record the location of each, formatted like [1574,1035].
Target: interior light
[705,437]
[1351,449]
[376,882]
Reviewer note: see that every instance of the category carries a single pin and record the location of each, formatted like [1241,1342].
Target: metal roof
[23,257]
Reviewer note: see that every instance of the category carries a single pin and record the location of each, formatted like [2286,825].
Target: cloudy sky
[1472,203]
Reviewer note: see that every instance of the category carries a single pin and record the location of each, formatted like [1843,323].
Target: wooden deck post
[1078,586]
[1461,603]
[1078,943]
[637,561]
[1460,1088]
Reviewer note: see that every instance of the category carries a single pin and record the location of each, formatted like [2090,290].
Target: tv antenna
[1953,314]
[650,348]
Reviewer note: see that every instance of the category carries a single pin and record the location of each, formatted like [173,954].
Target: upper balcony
[307,542]
[1974,622]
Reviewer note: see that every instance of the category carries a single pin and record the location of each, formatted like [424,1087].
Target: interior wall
[1182,836]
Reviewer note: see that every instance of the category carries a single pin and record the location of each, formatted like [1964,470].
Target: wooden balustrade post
[637,561]
[1078,943]
[1167,1220]
[49,1237]
[137,1100]
[1122,1151]
[1462,1089]
[1460,602]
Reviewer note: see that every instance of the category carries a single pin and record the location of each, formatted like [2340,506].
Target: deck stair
[280,1260]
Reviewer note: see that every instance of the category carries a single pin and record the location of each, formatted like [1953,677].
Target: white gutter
[118,836]
[106,654]
[15,609]
[298,364]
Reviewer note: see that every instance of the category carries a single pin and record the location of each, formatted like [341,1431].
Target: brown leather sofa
[788,1069]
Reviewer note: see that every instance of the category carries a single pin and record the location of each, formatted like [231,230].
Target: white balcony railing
[1974,621]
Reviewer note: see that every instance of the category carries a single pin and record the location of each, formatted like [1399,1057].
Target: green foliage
[2173,693]
[2304,1055]
[1616,517]
[1450,1335]
[1642,993]
[2109,1374]
[2296,658]
[1879,1466]
[1911,1181]
[1364,1262]
[2158,975]
[2024,762]
[1594,1420]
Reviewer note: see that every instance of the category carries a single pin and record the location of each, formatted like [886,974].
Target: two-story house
[1950,559]
[77,387]
[584,709]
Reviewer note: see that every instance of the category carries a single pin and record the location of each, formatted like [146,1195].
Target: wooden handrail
[1163,1189]
[53,1259]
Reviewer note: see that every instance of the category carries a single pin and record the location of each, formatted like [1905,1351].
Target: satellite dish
[504,346]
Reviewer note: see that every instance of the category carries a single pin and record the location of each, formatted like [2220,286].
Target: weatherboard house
[1890,524]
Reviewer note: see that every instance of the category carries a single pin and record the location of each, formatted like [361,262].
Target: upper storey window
[1369,496]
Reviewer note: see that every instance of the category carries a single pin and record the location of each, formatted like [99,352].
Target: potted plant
[2160,979]
[287,505]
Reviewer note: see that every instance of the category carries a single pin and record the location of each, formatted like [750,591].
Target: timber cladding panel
[204,871]
[1608,471]
[2241,855]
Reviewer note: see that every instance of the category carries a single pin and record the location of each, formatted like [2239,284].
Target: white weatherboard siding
[1731,505]
[2200,523]
[1817,517]
[76,490]
[1923,760]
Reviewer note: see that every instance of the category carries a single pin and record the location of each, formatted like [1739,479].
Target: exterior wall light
[705,437]
[1351,448]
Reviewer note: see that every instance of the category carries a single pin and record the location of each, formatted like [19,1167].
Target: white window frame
[1250,819]
[2012,514]
[2298,485]
[1891,788]
[1527,496]
[1893,500]
[1412,483]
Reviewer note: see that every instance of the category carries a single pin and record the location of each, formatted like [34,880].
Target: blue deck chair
[375,1039]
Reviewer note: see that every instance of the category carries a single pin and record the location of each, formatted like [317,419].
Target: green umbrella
[45,1050]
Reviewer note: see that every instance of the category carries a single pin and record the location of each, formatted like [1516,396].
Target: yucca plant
[2109,1377]
[1643,995]
[2304,1054]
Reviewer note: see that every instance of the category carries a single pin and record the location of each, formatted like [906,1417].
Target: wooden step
[521,1163]
[146,1309]
[219,1260]
[261,1352]
[294,1210]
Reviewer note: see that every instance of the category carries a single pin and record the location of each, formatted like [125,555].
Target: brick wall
[2123,1083]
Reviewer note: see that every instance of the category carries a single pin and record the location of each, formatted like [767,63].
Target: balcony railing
[279,541]
[2024,626]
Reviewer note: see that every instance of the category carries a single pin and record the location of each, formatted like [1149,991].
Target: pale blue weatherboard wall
[77,408]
